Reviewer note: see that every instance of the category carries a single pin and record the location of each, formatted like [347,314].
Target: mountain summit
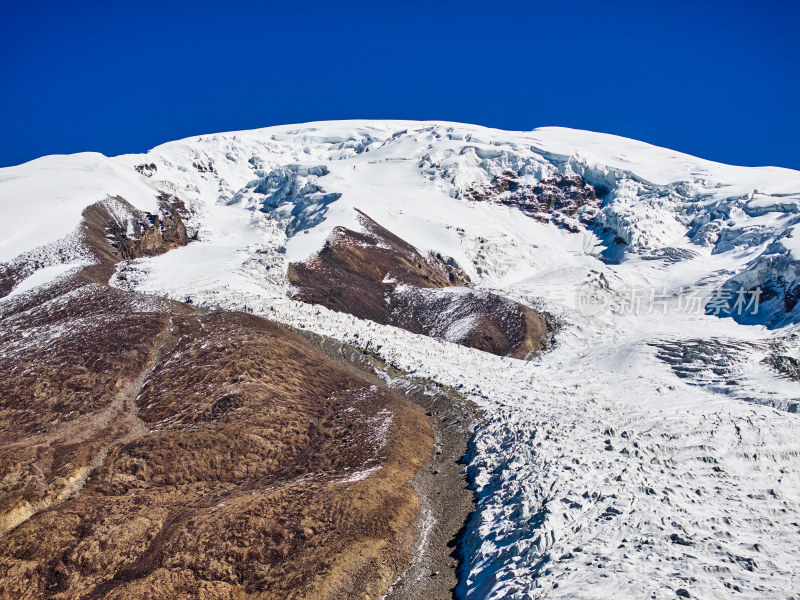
[244,365]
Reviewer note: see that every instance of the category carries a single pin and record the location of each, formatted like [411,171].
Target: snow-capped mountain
[624,316]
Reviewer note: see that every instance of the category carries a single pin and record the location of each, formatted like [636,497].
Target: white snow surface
[42,277]
[602,469]
[41,201]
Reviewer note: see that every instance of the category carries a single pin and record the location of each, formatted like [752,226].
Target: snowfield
[649,453]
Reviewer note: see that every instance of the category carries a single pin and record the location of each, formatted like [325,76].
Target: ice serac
[373,274]
[775,276]
[289,193]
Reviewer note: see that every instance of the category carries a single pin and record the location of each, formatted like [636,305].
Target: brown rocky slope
[149,449]
[375,275]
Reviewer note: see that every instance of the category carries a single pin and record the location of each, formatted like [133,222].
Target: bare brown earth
[152,450]
[442,484]
[375,275]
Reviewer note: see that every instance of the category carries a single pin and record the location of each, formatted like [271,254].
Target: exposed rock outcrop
[112,230]
[569,201]
[138,234]
[147,169]
[375,275]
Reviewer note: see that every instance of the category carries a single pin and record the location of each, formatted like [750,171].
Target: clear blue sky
[719,80]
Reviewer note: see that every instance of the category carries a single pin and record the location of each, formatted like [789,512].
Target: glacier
[647,453]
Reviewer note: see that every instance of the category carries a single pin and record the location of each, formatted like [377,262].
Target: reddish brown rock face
[568,201]
[373,274]
[112,230]
[152,450]
[136,234]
